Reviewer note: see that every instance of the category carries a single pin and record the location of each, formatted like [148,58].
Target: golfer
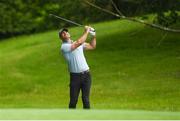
[80,78]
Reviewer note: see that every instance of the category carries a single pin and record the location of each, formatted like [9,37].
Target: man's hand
[87,29]
[92,29]
[93,33]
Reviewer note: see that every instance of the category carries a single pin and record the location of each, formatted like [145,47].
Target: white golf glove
[92,31]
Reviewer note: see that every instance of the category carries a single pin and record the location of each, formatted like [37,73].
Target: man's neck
[68,41]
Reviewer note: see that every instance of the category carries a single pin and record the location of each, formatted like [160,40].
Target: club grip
[92,29]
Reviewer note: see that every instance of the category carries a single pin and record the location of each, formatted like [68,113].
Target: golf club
[72,22]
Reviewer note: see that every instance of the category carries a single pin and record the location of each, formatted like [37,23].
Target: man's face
[65,35]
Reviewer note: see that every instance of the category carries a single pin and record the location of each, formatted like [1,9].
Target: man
[80,78]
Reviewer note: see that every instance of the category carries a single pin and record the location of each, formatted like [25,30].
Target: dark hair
[61,31]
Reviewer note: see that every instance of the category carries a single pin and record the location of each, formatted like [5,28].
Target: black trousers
[80,81]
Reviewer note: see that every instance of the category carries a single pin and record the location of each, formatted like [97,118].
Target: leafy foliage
[30,16]
[167,19]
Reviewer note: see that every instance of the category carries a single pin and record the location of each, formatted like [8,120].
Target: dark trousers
[80,81]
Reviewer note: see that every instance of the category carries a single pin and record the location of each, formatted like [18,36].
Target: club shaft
[64,19]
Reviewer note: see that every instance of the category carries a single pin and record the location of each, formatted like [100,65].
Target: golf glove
[92,29]
[93,33]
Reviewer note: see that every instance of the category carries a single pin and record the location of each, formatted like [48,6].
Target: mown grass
[64,114]
[132,68]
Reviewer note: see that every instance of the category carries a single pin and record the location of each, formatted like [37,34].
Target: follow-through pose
[80,78]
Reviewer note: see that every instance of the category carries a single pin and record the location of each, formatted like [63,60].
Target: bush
[166,19]
[29,16]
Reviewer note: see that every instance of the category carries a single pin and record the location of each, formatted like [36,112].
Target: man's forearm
[80,41]
[93,42]
[83,38]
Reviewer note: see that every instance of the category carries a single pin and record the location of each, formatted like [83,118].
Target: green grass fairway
[132,69]
[55,114]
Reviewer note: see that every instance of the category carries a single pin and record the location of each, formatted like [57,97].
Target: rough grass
[132,68]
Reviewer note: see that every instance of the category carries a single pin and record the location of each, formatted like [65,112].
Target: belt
[83,72]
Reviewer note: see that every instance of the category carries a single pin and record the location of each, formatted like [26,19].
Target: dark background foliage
[30,16]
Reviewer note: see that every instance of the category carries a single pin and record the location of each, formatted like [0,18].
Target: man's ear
[63,33]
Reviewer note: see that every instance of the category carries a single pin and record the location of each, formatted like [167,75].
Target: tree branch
[114,5]
[107,11]
[134,19]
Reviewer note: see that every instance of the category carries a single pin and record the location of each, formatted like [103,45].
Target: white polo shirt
[75,59]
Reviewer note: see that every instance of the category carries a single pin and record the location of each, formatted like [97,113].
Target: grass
[130,69]
[64,114]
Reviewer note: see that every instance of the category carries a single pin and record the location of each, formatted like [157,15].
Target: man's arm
[92,44]
[81,40]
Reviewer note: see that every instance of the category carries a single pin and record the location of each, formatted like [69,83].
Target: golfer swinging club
[80,78]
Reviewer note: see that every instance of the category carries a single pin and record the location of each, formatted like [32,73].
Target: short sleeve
[66,47]
[84,45]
